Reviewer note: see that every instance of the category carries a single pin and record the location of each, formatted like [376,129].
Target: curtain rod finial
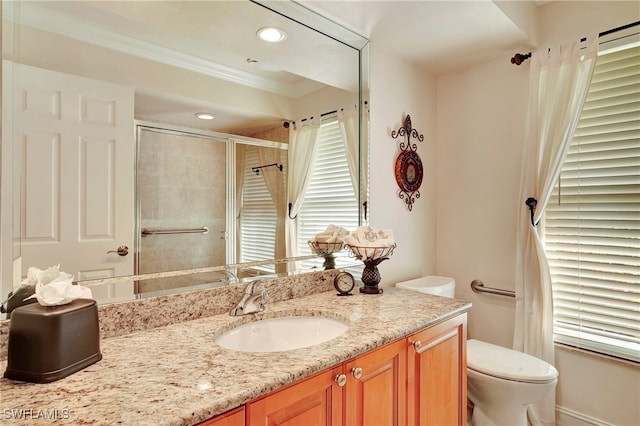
[519,58]
[532,203]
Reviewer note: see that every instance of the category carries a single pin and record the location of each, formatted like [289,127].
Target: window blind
[330,197]
[258,215]
[592,221]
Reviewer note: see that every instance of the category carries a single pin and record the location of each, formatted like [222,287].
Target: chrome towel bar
[478,287]
[203,230]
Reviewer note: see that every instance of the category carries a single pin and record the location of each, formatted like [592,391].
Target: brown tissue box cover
[47,343]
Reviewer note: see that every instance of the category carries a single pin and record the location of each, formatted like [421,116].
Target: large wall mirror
[107,170]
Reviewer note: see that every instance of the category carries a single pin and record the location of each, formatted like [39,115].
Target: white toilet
[501,382]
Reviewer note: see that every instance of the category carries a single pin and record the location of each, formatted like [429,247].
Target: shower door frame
[230,176]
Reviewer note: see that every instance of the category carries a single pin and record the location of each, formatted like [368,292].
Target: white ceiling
[439,35]
[212,37]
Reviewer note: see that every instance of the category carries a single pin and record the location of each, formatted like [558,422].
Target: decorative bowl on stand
[326,250]
[371,257]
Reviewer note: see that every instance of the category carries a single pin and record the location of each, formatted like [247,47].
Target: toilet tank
[440,286]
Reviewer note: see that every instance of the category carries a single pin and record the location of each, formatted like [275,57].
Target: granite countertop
[177,375]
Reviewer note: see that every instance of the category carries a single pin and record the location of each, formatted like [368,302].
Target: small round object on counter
[344,283]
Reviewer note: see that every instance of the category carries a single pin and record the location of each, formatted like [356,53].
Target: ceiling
[440,36]
[214,38]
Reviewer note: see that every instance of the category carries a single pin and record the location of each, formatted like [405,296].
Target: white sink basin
[281,334]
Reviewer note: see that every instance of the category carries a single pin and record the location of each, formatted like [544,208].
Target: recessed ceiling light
[204,116]
[271,34]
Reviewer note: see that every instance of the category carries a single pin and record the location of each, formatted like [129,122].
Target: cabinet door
[437,374]
[375,394]
[231,418]
[316,401]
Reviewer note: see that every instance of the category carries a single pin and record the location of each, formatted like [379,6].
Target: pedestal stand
[371,257]
[326,250]
[371,276]
[329,261]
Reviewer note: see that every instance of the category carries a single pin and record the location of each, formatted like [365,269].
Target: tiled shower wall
[181,185]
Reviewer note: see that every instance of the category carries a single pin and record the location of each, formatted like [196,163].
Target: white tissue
[54,287]
[370,243]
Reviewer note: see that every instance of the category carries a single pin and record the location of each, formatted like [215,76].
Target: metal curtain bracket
[532,203]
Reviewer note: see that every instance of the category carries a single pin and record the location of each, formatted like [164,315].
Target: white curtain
[275,182]
[558,85]
[240,154]
[302,146]
[348,121]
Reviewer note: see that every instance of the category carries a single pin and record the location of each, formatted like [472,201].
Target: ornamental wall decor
[408,167]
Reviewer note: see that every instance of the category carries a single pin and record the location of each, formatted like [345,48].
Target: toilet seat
[508,364]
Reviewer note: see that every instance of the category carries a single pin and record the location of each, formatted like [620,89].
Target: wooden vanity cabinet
[437,374]
[419,380]
[234,417]
[367,390]
[375,393]
[316,400]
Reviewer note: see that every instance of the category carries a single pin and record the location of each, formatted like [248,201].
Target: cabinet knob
[416,345]
[356,372]
[341,379]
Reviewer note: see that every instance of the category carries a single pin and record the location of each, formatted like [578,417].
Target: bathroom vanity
[418,380]
[401,361]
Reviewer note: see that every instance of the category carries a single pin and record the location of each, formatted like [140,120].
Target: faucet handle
[252,301]
[249,288]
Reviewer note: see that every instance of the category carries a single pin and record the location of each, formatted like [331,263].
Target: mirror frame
[10,241]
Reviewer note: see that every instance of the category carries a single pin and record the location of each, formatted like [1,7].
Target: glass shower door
[181,183]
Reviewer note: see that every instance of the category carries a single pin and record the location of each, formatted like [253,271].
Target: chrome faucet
[233,278]
[252,301]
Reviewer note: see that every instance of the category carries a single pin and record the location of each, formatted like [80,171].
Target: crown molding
[60,24]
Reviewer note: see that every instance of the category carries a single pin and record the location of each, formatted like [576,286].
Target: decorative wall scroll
[408,167]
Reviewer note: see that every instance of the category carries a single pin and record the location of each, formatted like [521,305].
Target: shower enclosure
[202,198]
[181,194]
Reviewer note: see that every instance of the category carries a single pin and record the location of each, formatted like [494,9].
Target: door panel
[316,401]
[378,397]
[437,375]
[78,153]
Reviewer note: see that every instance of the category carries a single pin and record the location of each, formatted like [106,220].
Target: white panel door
[78,153]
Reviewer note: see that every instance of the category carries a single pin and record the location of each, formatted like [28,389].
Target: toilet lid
[507,364]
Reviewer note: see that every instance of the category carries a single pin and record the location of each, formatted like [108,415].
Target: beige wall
[464,223]
[481,113]
[398,89]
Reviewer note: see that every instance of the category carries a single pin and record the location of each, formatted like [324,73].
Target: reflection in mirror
[188,200]
[179,172]
[78,76]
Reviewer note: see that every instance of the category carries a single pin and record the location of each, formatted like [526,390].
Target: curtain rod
[286,124]
[256,169]
[519,58]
